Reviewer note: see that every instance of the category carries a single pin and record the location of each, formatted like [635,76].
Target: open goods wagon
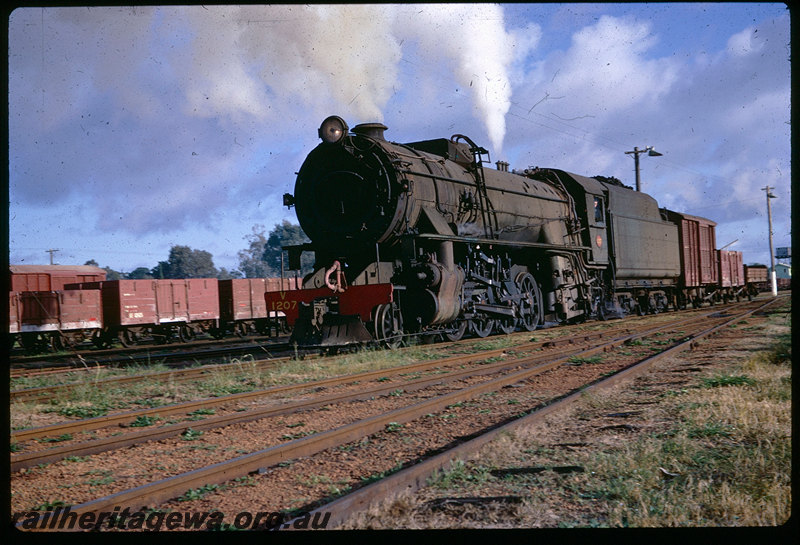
[51,277]
[134,309]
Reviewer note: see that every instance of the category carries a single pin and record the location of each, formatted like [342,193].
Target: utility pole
[51,252]
[773,275]
[636,151]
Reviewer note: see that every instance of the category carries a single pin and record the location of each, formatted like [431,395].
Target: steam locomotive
[422,238]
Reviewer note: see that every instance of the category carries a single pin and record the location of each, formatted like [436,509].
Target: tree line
[261,259]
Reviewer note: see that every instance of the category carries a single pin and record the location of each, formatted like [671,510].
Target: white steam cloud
[254,59]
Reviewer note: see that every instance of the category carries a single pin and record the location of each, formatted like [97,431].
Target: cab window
[599,210]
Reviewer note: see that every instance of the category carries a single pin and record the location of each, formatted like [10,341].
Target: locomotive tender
[422,238]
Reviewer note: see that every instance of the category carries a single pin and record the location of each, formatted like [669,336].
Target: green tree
[183,262]
[251,261]
[263,256]
[111,274]
[225,274]
[140,273]
[286,234]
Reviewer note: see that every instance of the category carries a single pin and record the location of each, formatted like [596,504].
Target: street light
[636,151]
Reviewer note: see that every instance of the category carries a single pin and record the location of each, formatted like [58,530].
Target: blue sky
[135,129]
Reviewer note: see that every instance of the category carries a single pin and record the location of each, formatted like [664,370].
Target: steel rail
[415,477]
[168,488]
[41,393]
[108,420]
[118,418]
[30,459]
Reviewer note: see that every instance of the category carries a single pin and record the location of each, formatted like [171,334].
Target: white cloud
[167,118]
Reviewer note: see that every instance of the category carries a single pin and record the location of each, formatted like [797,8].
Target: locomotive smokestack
[502,166]
[372,130]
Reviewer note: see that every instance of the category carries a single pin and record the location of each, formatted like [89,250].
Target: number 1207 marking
[284,305]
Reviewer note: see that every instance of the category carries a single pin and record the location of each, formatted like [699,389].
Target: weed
[577,360]
[143,420]
[50,505]
[83,412]
[710,429]
[246,480]
[727,380]
[204,411]
[191,435]
[59,439]
[106,477]
[392,427]
[76,458]
[459,474]
[198,493]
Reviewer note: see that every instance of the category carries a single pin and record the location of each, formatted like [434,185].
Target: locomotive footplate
[326,318]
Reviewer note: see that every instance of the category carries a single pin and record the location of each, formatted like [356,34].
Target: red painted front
[358,300]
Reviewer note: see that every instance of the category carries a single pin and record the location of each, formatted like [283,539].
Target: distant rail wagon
[59,307]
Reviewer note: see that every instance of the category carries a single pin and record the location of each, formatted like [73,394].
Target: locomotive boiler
[422,237]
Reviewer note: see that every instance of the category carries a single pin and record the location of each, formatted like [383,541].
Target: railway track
[261,354]
[177,354]
[570,342]
[511,372]
[522,354]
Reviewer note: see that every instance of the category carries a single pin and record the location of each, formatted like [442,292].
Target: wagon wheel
[641,305]
[481,325]
[126,337]
[458,332]
[186,333]
[240,329]
[531,303]
[262,327]
[59,342]
[99,339]
[388,325]
[30,341]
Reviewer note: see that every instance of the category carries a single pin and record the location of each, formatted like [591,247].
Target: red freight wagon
[242,299]
[697,241]
[51,277]
[135,308]
[698,246]
[756,274]
[285,284]
[731,275]
[61,318]
[731,269]
[242,304]
[13,313]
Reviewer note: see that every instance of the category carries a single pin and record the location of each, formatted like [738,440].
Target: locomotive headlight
[333,129]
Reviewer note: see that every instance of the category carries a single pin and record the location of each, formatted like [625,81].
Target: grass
[88,400]
[725,461]
[716,452]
